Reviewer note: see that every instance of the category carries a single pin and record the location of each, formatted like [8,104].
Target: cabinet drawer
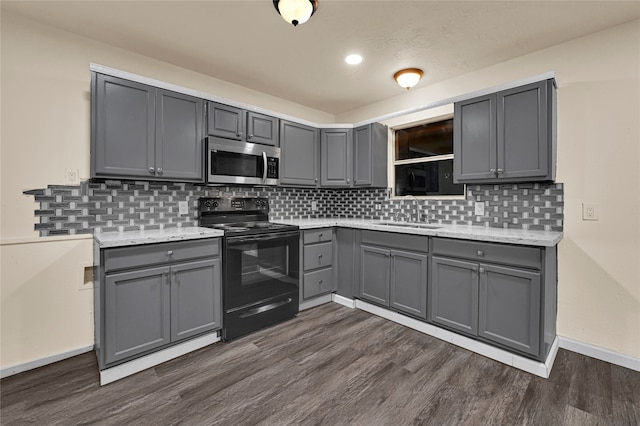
[318,235]
[150,254]
[318,256]
[318,282]
[396,240]
[529,257]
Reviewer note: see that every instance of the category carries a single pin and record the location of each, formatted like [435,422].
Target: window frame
[403,122]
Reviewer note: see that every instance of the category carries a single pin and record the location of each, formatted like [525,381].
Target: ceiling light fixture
[408,77]
[353,59]
[296,11]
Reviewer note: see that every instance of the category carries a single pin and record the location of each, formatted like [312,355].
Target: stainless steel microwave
[242,162]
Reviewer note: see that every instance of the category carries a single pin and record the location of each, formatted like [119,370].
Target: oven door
[261,281]
[241,162]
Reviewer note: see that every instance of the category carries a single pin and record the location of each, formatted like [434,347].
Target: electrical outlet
[590,211]
[183,208]
[378,206]
[71,177]
[314,206]
[479,208]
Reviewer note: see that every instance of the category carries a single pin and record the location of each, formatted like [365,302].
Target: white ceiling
[248,43]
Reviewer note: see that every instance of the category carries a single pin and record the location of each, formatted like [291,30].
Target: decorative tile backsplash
[132,205]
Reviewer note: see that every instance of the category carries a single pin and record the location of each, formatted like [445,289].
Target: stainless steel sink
[410,225]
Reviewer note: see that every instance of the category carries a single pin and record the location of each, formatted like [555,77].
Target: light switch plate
[479,208]
[71,177]
[183,208]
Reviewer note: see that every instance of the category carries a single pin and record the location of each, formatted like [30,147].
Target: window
[423,160]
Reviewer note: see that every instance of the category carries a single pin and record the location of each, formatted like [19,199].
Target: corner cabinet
[499,293]
[393,271]
[237,124]
[299,162]
[508,136]
[152,296]
[354,157]
[139,131]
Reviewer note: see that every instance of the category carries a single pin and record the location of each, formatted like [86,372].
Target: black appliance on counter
[260,263]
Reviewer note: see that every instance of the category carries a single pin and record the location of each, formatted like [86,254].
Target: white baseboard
[26,366]
[139,364]
[344,301]
[320,300]
[600,353]
[542,369]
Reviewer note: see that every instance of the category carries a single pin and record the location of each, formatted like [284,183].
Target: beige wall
[598,161]
[45,129]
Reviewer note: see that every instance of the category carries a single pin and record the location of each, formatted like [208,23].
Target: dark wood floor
[330,366]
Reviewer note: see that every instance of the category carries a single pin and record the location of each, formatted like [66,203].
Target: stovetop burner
[238,216]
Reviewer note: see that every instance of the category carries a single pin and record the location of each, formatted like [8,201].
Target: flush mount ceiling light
[353,59]
[296,11]
[408,77]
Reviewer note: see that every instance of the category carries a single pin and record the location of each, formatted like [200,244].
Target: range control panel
[210,204]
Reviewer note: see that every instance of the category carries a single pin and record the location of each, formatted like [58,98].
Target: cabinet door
[196,298]
[362,156]
[137,312]
[123,126]
[474,139]
[300,147]
[510,307]
[523,141]
[345,265]
[375,274]
[179,138]
[409,283]
[453,294]
[225,121]
[262,129]
[335,157]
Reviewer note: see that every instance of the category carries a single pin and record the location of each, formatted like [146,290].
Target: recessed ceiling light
[353,59]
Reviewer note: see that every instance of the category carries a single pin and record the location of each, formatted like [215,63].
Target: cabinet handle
[319,235]
[319,282]
[316,180]
[152,170]
[348,180]
[482,270]
[480,253]
[240,134]
[249,137]
[319,256]
[170,253]
[500,171]
[160,171]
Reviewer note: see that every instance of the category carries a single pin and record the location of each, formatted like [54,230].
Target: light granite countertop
[132,238]
[465,232]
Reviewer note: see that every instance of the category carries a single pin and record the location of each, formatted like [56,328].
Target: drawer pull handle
[170,253]
[319,235]
[480,253]
[482,270]
[319,256]
[320,282]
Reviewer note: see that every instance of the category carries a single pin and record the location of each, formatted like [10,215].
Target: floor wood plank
[329,366]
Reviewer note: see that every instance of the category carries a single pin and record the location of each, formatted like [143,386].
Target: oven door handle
[265,308]
[264,168]
[242,239]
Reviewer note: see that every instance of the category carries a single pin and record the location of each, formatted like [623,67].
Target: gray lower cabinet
[347,261]
[508,136]
[391,276]
[139,131]
[500,293]
[152,296]
[300,155]
[317,263]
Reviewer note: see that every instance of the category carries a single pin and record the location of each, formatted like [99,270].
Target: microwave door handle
[264,169]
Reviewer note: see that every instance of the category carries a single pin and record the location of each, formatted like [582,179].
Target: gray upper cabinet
[229,122]
[299,161]
[262,129]
[354,157]
[225,121]
[139,131]
[336,150]
[370,155]
[508,136]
